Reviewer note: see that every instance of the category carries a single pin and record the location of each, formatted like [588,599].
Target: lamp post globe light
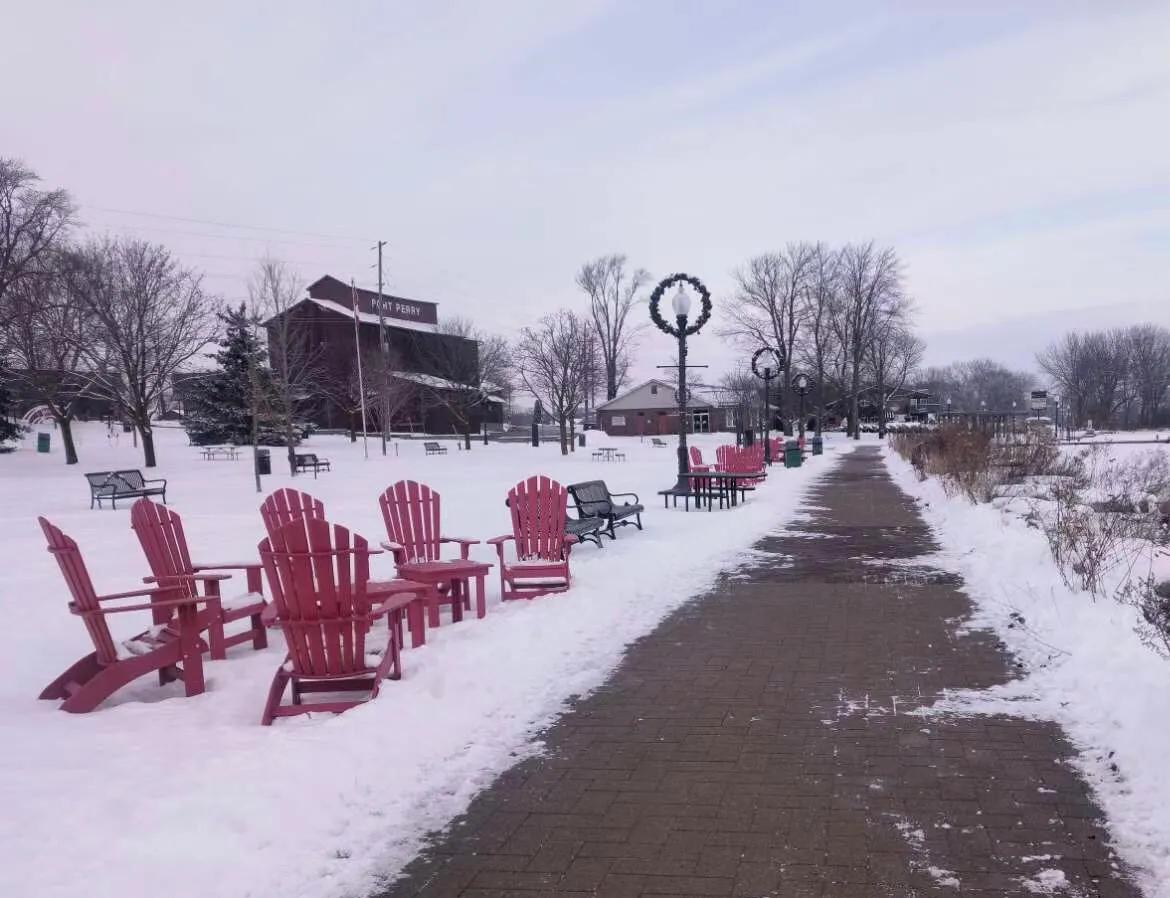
[773,364]
[683,327]
[802,383]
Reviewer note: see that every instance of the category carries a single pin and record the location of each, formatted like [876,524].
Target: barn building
[427,365]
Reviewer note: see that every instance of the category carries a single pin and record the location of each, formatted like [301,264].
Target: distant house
[651,409]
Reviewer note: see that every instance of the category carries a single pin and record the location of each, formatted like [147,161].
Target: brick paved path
[763,741]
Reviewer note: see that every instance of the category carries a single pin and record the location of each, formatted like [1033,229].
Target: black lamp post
[801,383]
[774,364]
[681,305]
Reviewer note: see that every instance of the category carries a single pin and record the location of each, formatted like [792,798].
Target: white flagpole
[357,345]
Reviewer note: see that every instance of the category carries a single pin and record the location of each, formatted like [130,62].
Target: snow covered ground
[193,796]
[1086,667]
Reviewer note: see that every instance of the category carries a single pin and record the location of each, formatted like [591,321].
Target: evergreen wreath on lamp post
[664,285]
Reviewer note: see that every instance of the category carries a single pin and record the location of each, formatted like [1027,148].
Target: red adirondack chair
[319,576]
[412,514]
[697,465]
[287,505]
[175,650]
[539,509]
[160,533]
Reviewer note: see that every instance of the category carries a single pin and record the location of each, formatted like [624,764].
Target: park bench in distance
[115,485]
[593,499]
[308,461]
[434,449]
[658,444]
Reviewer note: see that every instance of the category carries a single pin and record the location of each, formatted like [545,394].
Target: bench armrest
[161,480]
[637,501]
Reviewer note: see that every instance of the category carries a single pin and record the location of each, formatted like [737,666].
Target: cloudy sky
[1017,154]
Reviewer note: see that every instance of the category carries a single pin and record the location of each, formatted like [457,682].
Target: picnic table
[724,487]
[608,453]
[214,453]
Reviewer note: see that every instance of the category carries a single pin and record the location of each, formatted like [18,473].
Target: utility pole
[384,343]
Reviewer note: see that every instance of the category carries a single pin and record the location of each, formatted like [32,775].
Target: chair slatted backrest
[318,575]
[722,455]
[131,479]
[77,578]
[160,533]
[412,512]
[539,508]
[696,456]
[287,505]
[592,497]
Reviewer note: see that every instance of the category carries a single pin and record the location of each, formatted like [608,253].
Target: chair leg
[80,673]
[638,519]
[275,694]
[259,632]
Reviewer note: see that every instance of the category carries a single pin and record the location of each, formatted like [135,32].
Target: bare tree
[820,348]
[46,328]
[298,364]
[743,392]
[151,316]
[552,361]
[468,366]
[1149,361]
[1091,369]
[391,395]
[894,354]
[32,222]
[612,292]
[871,282]
[970,384]
[769,307]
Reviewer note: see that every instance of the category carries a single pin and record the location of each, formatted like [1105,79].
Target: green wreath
[779,356]
[666,284]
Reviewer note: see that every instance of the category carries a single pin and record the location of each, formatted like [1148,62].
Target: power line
[205,235]
[221,224]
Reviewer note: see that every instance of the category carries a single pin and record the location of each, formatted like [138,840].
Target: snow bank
[1086,668]
[194,793]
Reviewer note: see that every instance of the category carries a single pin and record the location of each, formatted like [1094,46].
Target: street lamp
[680,304]
[766,375]
[801,383]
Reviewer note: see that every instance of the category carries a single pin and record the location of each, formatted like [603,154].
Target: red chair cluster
[320,595]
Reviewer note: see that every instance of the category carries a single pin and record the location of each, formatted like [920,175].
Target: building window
[653,389]
[617,421]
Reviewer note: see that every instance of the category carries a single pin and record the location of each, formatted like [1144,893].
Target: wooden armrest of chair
[459,539]
[134,593]
[206,578]
[230,566]
[500,540]
[147,606]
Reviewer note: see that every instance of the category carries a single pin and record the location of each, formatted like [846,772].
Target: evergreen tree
[9,429]
[220,404]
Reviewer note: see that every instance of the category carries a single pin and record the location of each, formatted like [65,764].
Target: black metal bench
[115,485]
[308,461]
[658,444]
[593,499]
[435,449]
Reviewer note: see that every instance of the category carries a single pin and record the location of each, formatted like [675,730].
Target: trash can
[818,446]
[581,441]
[263,461]
[42,442]
[749,437]
[792,455]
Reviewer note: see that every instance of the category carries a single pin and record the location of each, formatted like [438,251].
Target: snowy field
[1086,667]
[192,796]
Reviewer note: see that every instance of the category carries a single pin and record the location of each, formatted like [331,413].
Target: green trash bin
[792,454]
[42,442]
[818,446]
